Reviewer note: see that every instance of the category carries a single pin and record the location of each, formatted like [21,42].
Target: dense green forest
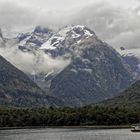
[89,115]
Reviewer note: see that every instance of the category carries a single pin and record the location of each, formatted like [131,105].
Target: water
[68,134]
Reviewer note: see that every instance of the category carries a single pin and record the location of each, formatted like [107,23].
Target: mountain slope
[97,72]
[16,89]
[129,97]
[132,58]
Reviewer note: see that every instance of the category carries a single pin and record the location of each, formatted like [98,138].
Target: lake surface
[68,134]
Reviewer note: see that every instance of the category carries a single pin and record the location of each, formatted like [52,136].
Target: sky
[66,4]
[52,4]
[116,22]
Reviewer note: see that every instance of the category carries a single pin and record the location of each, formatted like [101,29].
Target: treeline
[97,115]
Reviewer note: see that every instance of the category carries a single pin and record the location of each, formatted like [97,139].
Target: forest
[88,115]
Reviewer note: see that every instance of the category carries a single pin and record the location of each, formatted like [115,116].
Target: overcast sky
[66,4]
[115,21]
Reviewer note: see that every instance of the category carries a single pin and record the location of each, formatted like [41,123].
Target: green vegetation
[97,115]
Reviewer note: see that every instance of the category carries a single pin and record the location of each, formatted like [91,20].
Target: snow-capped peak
[68,36]
[76,31]
[34,39]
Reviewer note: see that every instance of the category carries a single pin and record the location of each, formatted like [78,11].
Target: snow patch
[87,33]
[87,70]
[130,52]
[46,46]
[74,70]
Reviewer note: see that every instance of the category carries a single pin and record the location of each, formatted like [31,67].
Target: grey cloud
[114,24]
[117,25]
[12,14]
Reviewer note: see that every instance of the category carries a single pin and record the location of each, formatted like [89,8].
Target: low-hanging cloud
[33,63]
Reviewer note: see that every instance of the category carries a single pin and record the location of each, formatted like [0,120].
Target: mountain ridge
[128,98]
[102,72]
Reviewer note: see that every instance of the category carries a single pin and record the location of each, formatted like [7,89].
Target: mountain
[61,43]
[16,89]
[96,72]
[129,97]
[56,44]
[132,58]
[33,39]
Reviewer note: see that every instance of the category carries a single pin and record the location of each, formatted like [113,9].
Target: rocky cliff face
[2,41]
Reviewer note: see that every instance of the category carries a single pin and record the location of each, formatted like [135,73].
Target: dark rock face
[1,35]
[22,36]
[2,40]
[40,29]
[95,74]
[122,48]
[16,89]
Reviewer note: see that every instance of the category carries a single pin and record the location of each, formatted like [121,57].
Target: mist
[33,63]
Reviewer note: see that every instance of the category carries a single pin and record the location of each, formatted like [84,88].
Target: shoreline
[69,127]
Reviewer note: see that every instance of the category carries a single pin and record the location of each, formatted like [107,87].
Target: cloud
[116,23]
[12,14]
[37,62]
